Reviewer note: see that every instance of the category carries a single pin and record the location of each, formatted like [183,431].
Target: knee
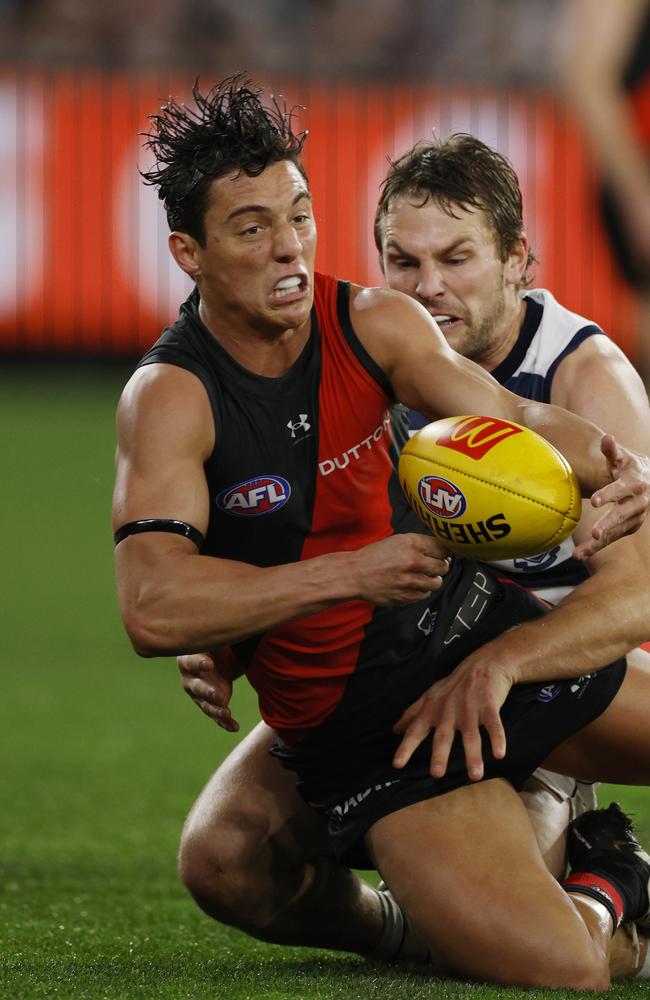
[575,975]
[221,864]
[530,962]
[571,968]
[592,973]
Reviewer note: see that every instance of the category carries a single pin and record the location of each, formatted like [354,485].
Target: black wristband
[159,524]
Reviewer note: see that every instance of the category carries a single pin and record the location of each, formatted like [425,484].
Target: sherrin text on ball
[489,488]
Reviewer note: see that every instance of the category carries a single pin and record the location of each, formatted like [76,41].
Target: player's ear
[517,260]
[183,249]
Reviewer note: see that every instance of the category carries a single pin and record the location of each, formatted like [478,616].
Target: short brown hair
[459,171]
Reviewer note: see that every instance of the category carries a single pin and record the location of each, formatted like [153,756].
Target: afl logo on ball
[254,497]
[441,497]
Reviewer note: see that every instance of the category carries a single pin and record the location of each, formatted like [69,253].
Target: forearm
[576,438]
[603,619]
[199,602]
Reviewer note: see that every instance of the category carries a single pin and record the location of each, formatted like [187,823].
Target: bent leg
[480,881]
[616,746]
[252,855]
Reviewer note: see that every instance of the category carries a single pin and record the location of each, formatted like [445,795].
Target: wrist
[348,575]
[512,653]
[331,579]
[227,663]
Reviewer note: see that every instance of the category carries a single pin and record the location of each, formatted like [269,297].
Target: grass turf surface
[103,754]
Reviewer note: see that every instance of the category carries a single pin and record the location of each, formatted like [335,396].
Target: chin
[296,313]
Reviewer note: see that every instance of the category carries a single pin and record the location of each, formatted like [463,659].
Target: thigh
[615,747]
[252,800]
[466,869]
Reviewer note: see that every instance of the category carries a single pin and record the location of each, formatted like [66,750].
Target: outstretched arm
[431,378]
[600,621]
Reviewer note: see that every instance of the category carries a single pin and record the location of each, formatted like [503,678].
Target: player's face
[257,267]
[451,266]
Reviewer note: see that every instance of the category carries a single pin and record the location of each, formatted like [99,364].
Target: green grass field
[103,754]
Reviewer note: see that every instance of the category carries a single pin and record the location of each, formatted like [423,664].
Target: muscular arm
[428,376]
[601,620]
[174,600]
[607,615]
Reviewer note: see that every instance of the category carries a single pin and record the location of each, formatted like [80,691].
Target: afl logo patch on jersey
[442,498]
[253,497]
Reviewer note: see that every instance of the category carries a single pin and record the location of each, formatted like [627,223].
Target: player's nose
[429,281]
[287,245]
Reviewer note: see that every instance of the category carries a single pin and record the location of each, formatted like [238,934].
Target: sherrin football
[488,488]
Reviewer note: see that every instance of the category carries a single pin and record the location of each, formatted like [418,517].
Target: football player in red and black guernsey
[257,508]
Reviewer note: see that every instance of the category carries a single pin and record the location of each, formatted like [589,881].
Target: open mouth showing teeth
[444,320]
[286,286]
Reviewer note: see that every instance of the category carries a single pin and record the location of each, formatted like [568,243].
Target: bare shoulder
[389,323]
[599,355]
[598,381]
[371,304]
[165,402]
[159,383]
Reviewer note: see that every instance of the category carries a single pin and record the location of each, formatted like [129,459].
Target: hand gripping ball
[488,488]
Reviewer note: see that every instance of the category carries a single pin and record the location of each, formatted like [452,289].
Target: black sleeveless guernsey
[304,464]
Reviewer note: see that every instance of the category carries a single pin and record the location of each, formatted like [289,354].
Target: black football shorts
[345,767]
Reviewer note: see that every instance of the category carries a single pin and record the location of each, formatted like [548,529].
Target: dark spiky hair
[230,129]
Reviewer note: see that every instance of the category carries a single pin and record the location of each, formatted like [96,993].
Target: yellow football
[488,488]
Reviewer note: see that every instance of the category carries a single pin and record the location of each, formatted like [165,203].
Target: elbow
[150,615]
[146,639]
[150,634]
[144,647]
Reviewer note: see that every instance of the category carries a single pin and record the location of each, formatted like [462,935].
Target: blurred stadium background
[102,755]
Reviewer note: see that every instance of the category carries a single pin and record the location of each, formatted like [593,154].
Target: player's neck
[509,330]
[267,350]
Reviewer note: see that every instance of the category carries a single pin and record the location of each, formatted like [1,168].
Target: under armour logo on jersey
[299,425]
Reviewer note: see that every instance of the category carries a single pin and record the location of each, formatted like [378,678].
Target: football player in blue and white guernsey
[445,242]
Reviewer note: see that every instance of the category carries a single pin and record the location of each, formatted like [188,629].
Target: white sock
[643,972]
[398,940]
